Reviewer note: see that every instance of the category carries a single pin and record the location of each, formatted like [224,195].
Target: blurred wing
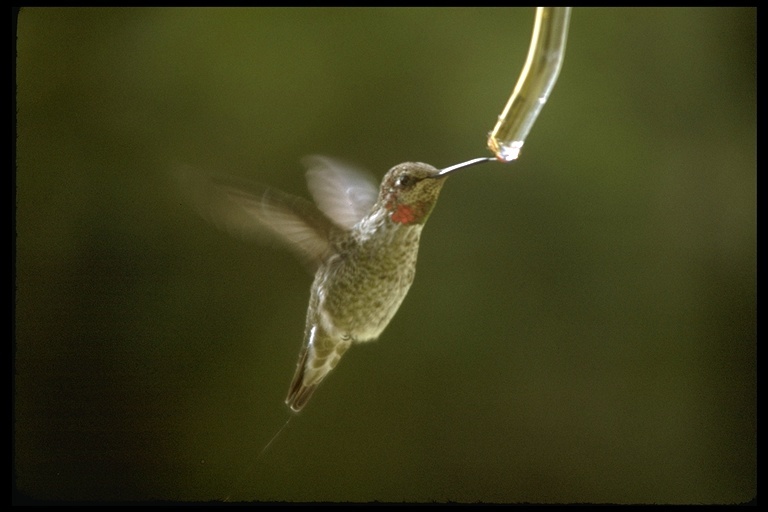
[345,194]
[254,211]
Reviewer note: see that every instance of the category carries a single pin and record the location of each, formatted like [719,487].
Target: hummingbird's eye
[404,181]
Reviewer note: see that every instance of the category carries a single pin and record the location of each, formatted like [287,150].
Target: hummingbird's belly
[360,298]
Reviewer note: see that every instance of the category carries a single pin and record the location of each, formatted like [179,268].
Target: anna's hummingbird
[360,243]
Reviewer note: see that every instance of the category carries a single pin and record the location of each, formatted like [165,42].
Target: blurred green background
[582,324]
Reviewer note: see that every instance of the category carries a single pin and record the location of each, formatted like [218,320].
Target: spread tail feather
[316,361]
[299,393]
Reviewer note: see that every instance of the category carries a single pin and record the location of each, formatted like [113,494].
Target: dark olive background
[582,325]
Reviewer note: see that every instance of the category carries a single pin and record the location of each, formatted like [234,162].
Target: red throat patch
[403,214]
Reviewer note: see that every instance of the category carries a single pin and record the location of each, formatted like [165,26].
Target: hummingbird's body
[356,292]
[361,243]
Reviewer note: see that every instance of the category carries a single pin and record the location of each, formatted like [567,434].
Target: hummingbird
[360,241]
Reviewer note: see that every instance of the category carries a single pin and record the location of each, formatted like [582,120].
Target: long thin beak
[468,163]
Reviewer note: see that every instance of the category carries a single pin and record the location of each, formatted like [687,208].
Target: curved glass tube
[542,66]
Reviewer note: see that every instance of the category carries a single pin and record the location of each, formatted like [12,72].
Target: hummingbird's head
[409,192]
